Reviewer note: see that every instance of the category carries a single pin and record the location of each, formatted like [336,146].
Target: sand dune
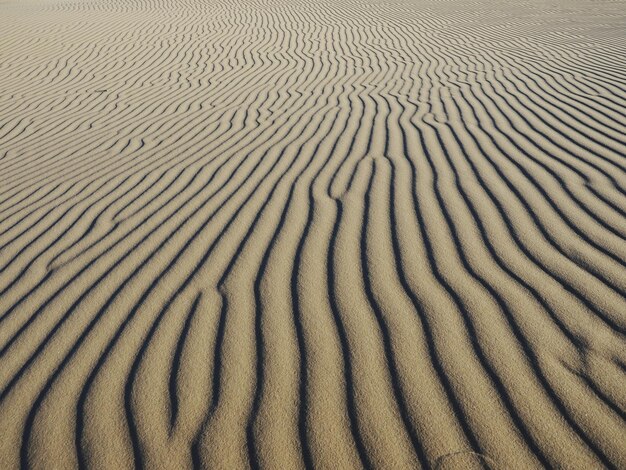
[288,234]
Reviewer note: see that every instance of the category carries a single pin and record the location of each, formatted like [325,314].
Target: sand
[312,234]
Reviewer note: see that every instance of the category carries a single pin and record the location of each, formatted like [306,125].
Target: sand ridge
[339,234]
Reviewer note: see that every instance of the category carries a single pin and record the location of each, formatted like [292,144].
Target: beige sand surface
[331,234]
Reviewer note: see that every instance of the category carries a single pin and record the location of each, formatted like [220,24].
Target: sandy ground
[312,234]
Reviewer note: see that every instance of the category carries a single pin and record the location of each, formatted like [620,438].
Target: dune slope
[335,234]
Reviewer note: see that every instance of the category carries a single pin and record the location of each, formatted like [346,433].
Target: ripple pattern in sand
[336,234]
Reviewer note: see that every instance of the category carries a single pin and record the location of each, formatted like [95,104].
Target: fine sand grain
[333,234]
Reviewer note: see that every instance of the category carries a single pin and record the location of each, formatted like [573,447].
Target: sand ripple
[326,234]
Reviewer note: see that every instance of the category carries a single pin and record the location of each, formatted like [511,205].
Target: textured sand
[323,234]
